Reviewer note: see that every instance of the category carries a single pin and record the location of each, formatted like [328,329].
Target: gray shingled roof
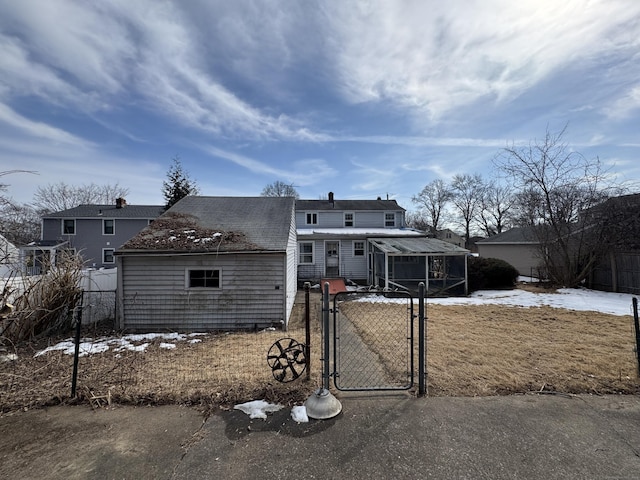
[515,235]
[109,211]
[229,224]
[347,205]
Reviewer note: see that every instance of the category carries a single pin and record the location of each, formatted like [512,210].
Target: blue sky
[362,98]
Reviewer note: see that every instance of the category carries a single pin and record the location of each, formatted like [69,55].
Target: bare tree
[496,206]
[178,184]
[467,193]
[280,189]
[418,220]
[61,196]
[20,224]
[560,192]
[433,200]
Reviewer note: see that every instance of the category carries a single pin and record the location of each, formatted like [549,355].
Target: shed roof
[109,211]
[518,235]
[221,224]
[417,246]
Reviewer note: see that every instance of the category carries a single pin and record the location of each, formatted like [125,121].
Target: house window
[348,219]
[107,255]
[389,219]
[312,218]
[68,227]
[203,278]
[305,252]
[108,227]
[358,249]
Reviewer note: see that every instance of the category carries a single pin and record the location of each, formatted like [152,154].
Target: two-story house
[93,231]
[367,241]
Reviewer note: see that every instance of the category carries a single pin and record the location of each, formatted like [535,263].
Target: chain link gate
[374,337]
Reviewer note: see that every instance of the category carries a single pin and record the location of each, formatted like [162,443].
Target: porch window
[305,250]
[108,227]
[107,255]
[312,218]
[69,226]
[358,249]
[348,219]
[389,219]
[203,278]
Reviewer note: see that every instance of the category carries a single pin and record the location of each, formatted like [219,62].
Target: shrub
[490,273]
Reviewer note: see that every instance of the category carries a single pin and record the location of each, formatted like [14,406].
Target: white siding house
[211,263]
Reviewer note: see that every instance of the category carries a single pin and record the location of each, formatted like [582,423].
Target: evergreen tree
[178,184]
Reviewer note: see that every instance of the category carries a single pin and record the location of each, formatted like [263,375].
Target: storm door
[332,259]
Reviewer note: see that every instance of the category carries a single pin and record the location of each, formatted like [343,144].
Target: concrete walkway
[375,437]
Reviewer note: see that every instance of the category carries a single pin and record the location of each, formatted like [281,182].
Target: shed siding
[252,293]
[523,257]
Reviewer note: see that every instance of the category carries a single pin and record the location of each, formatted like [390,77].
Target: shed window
[305,252]
[203,279]
[312,218]
[69,227]
[107,255]
[108,227]
[389,219]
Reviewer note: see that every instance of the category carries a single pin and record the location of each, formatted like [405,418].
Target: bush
[490,273]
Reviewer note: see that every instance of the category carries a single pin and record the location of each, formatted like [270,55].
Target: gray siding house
[211,263]
[93,231]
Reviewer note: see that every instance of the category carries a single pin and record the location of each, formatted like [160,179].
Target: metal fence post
[307,329]
[76,353]
[637,328]
[422,347]
[325,335]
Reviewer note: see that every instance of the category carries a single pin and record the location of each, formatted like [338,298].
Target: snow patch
[258,408]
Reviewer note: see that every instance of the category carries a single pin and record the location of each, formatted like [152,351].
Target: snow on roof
[361,232]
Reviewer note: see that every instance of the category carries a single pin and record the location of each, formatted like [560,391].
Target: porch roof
[417,246]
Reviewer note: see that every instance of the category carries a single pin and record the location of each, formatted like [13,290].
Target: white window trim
[353,219]
[75,226]
[103,226]
[364,248]
[313,253]
[190,269]
[306,218]
[113,250]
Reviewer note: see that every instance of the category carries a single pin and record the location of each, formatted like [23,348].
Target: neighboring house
[357,240]
[93,231]
[8,257]
[449,236]
[211,263]
[517,246]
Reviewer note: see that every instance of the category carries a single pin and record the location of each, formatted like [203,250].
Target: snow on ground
[580,299]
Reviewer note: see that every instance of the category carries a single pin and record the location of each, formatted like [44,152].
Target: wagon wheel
[287,359]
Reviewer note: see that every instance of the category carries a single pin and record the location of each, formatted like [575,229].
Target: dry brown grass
[472,350]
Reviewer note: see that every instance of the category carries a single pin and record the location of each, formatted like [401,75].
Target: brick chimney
[120,202]
[331,197]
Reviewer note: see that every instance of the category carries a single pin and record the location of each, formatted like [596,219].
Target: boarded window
[203,279]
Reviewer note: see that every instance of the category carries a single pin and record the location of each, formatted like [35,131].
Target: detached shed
[211,263]
[405,262]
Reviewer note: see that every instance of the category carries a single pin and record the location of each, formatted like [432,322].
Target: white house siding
[352,267]
[154,297]
[524,257]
